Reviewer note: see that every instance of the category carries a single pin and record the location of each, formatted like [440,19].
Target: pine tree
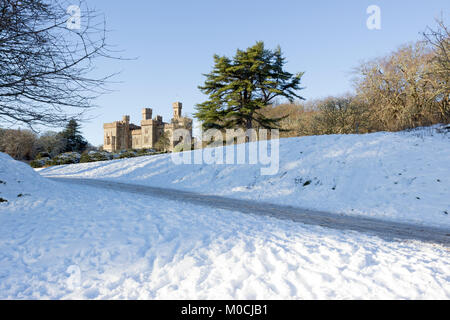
[74,141]
[239,87]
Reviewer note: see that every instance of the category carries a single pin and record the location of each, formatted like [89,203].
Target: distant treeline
[26,145]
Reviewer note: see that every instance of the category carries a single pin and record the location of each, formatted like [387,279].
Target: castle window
[108,140]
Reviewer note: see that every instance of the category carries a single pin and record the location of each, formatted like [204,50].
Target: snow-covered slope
[87,243]
[401,176]
[64,241]
[18,180]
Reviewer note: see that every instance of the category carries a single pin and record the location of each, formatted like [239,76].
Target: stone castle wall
[122,135]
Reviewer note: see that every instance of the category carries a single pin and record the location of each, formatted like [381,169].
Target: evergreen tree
[74,141]
[163,142]
[239,87]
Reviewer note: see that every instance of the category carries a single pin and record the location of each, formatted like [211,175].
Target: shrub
[66,158]
[41,162]
[127,154]
[145,152]
[42,155]
[94,156]
[181,147]
[36,164]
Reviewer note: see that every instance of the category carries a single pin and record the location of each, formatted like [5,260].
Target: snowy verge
[19,181]
[64,241]
[402,176]
[100,244]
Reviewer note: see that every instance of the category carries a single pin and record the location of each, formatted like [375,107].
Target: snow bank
[100,244]
[401,176]
[18,180]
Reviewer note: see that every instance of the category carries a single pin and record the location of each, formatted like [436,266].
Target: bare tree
[47,61]
[19,144]
[398,90]
[340,115]
[51,143]
[439,39]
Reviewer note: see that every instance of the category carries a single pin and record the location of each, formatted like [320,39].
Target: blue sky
[174,42]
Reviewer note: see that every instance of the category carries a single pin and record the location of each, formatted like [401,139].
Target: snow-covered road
[385,229]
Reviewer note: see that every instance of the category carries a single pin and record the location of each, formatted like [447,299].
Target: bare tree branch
[46,64]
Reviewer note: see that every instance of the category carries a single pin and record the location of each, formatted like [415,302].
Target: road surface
[382,228]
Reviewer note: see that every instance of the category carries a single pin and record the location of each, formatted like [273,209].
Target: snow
[64,241]
[18,179]
[87,243]
[401,176]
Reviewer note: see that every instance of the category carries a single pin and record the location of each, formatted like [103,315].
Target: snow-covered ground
[401,176]
[61,241]
[17,180]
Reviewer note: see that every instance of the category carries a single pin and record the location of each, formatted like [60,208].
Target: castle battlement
[123,135]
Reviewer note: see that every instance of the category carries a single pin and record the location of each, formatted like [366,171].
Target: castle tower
[147,114]
[177,108]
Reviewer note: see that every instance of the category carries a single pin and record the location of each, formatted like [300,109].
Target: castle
[123,135]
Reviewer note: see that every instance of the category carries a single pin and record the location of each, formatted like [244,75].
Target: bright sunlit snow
[63,241]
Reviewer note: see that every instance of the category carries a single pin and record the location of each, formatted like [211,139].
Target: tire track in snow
[388,230]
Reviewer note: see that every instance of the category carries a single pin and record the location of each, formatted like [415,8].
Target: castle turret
[177,108]
[147,114]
